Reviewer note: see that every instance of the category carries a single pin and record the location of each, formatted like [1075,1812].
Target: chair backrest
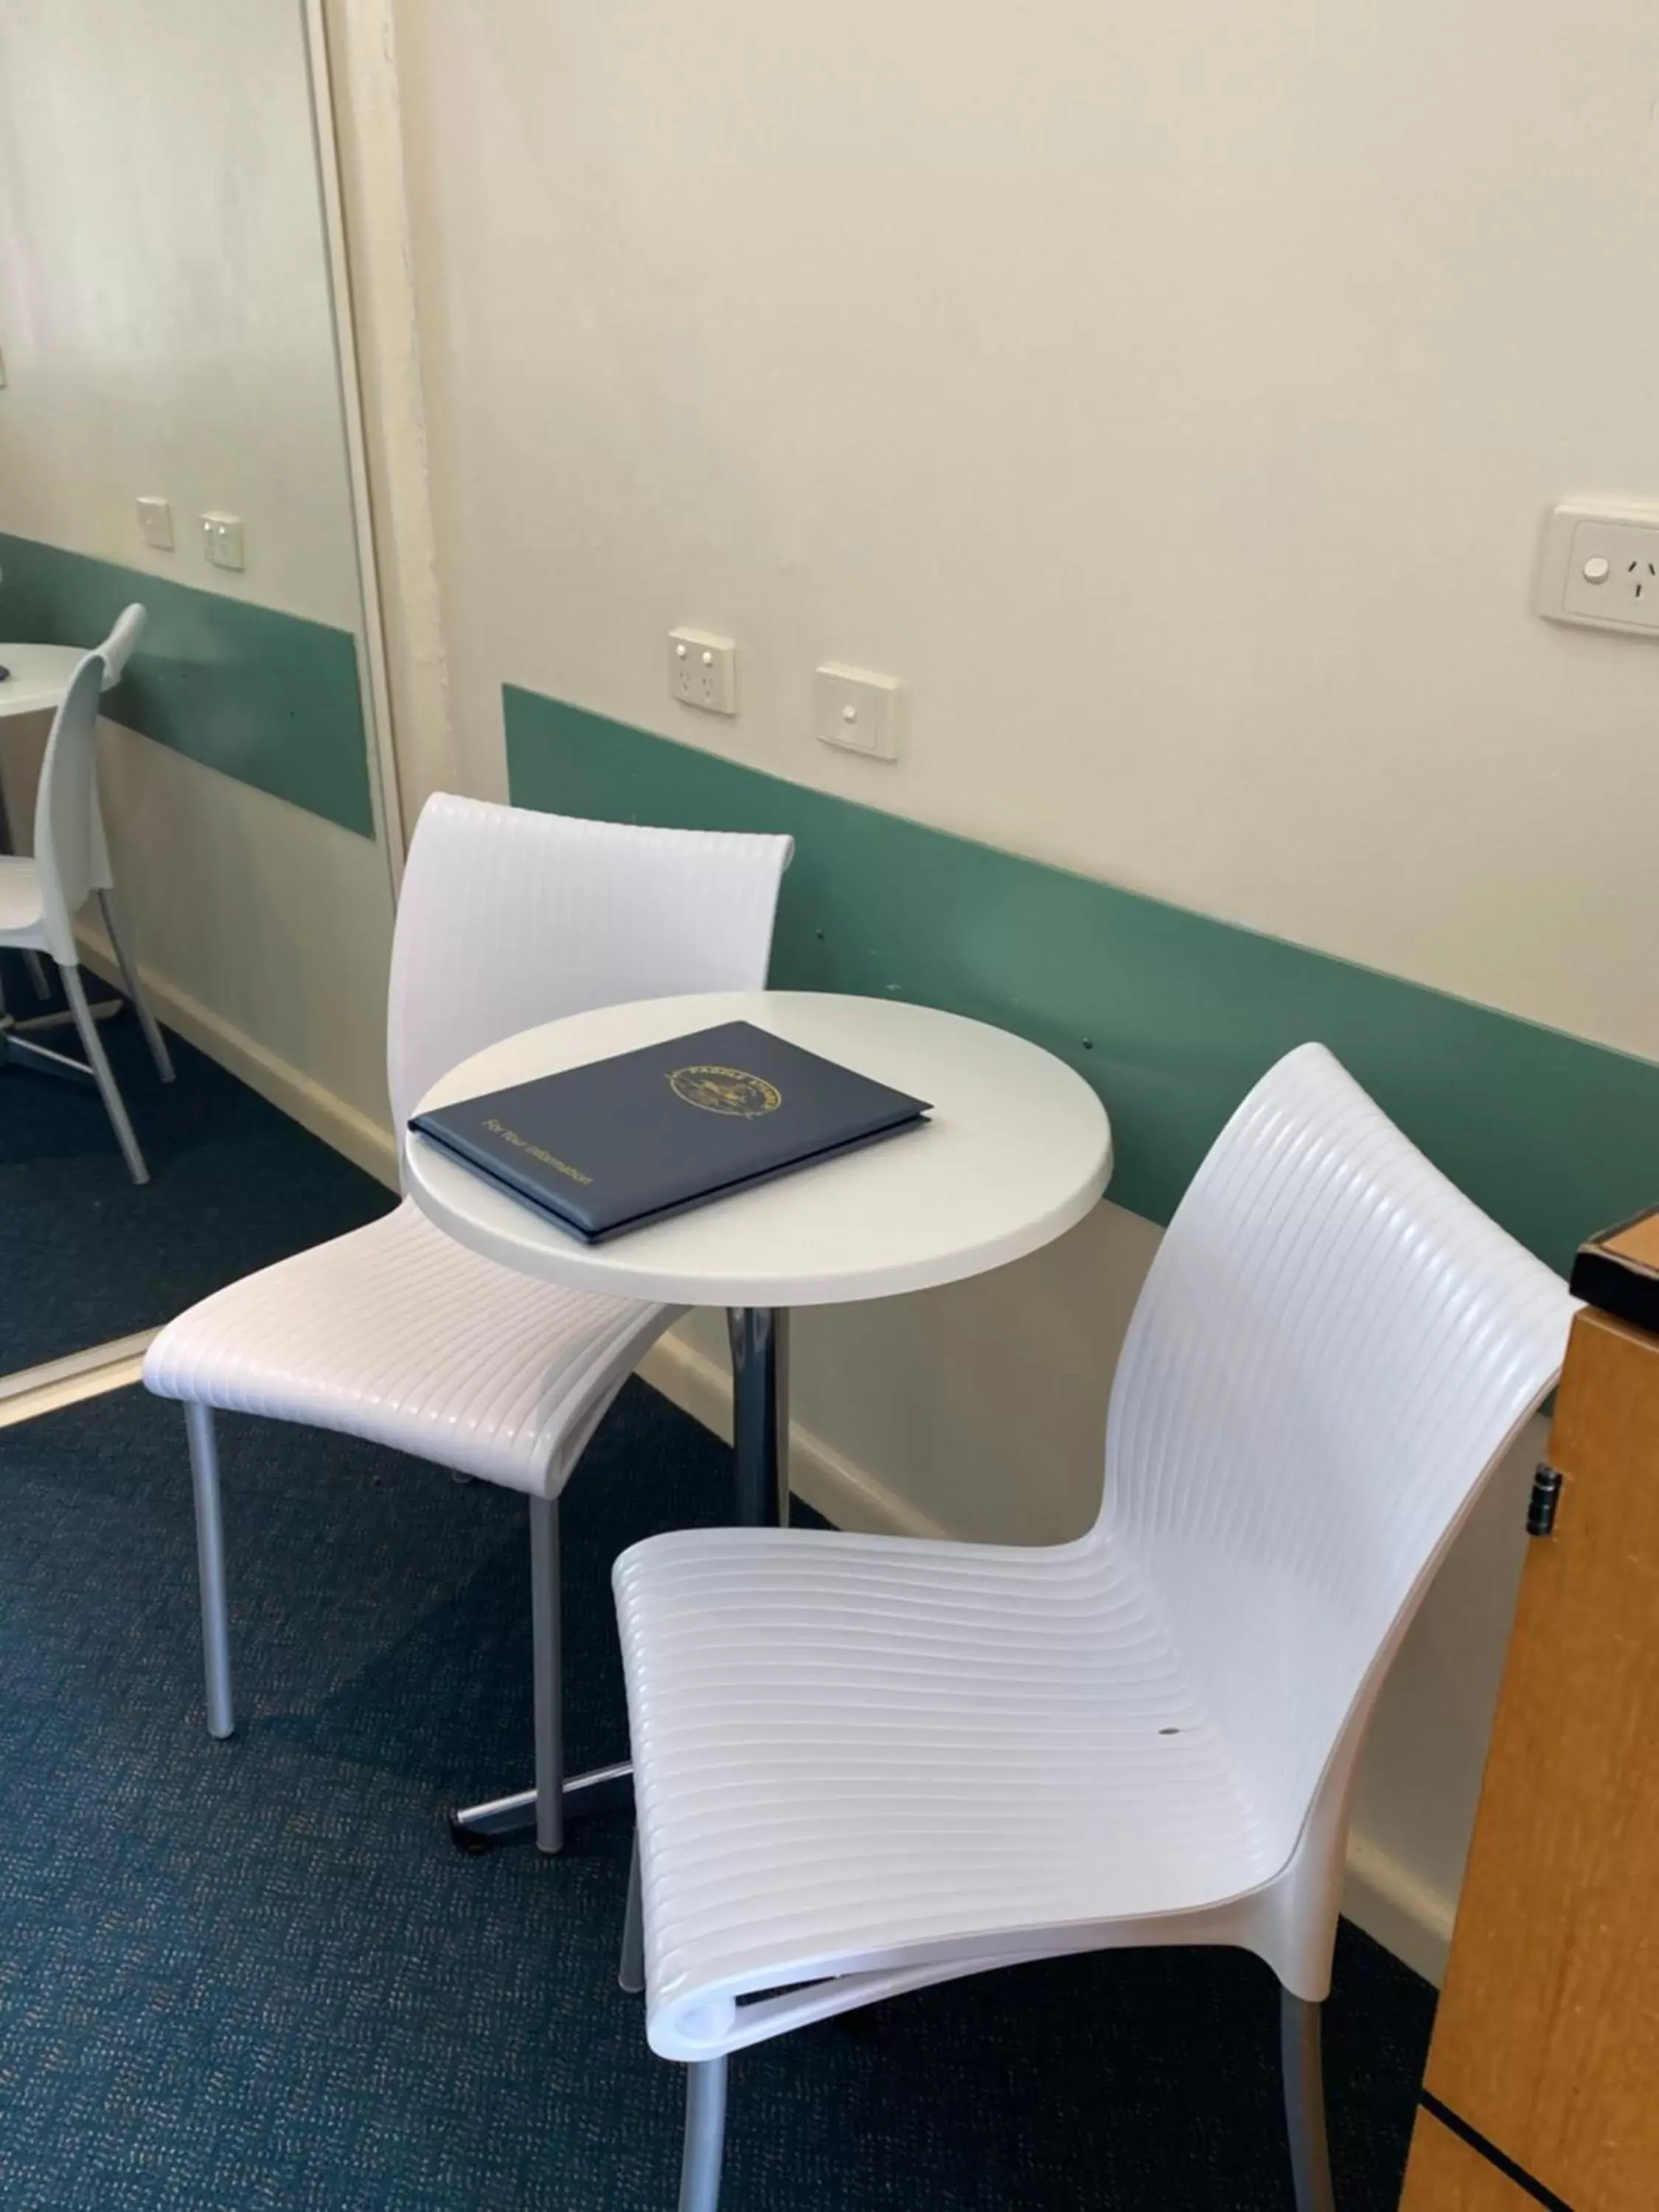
[1332,1350]
[117,650]
[64,850]
[508,918]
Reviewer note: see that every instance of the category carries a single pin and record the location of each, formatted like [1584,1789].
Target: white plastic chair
[864,1764]
[40,896]
[508,919]
[115,652]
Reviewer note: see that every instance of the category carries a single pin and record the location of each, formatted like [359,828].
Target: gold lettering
[537,1151]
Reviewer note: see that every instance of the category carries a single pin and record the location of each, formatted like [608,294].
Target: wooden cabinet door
[1547,2042]
[1447,2175]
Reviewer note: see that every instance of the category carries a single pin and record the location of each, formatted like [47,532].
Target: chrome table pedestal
[760,1403]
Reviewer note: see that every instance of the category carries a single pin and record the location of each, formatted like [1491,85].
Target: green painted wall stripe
[1171,1016]
[270,698]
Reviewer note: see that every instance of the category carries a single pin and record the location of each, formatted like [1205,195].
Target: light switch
[155,524]
[222,540]
[857,709]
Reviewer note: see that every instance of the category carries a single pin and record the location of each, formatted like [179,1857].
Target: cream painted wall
[165,318]
[164,301]
[1170,398]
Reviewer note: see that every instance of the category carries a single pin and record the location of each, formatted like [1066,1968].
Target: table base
[760,1419]
[603,1789]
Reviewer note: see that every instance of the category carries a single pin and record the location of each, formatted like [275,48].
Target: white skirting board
[1381,1895]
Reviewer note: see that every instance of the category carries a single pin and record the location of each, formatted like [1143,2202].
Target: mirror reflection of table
[38,676]
[1017,1150]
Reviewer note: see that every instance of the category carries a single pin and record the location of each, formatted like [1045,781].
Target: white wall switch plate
[702,671]
[222,540]
[1600,565]
[155,524]
[857,709]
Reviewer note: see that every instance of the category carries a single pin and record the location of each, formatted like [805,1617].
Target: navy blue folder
[623,1141]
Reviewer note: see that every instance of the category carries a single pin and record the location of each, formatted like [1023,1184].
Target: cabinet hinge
[1546,1497]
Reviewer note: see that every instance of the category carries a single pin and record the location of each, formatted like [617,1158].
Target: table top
[40,675]
[1017,1150]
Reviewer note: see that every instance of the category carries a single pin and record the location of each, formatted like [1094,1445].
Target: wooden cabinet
[1547,2043]
[1446,2173]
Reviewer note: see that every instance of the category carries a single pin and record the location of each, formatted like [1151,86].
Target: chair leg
[705,2136]
[549,1673]
[1304,2103]
[99,1063]
[630,1975]
[147,1022]
[38,976]
[211,1567]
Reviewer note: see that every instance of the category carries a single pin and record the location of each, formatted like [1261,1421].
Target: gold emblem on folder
[725,1090]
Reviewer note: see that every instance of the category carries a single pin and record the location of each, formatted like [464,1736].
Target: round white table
[40,675]
[37,678]
[1017,1150]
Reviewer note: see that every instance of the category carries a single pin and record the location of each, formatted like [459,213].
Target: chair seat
[851,1752]
[22,912]
[398,1334]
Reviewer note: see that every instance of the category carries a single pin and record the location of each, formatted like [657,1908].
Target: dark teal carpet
[87,1254]
[256,1974]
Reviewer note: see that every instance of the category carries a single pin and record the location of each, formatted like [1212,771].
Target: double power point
[702,671]
[852,708]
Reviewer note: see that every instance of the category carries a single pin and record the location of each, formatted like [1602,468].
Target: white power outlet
[702,671]
[1600,566]
[222,540]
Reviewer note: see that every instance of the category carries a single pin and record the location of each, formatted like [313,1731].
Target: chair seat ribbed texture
[397,1334]
[850,1746]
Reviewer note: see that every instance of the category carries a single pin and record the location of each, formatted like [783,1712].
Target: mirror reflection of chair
[865,1765]
[508,919]
[40,896]
[115,652]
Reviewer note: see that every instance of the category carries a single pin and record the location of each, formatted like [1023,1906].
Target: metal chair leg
[147,1022]
[38,976]
[98,1060]
[548,1662]
[211,1567]
[705,2136]
[1304,2103]
[630,1974]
